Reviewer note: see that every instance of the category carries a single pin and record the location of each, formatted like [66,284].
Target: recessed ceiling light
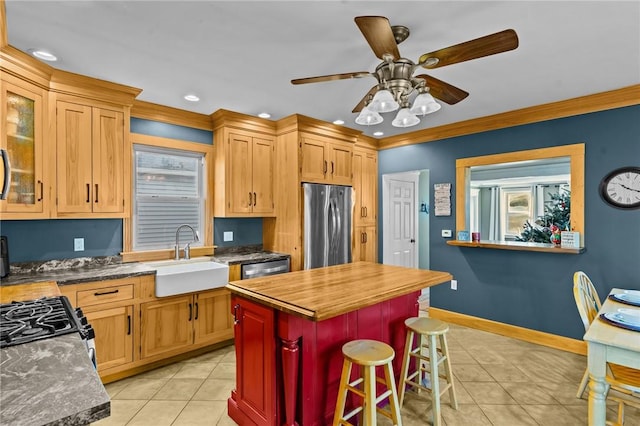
[264,115]
[192,98]
[338,122]
[44,55]
[378,133]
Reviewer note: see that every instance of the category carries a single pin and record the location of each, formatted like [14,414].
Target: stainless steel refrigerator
[327,224]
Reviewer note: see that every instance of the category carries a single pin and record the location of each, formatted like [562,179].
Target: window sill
[146,256]
[517,245]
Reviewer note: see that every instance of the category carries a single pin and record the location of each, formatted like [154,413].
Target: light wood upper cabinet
[323,160]
[365,176]
[90,160]
[250,164]
[244,175]
[22,142]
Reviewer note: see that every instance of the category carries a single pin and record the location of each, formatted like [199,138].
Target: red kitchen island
[290,328]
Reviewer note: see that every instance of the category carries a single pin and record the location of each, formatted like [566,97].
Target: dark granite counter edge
[234,259]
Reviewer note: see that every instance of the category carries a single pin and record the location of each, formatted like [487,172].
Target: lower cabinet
[133,328]
[174,323]
[365,244]
[254,397]
[114,336]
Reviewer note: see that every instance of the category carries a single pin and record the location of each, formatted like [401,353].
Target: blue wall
[39,240]
[245,231]
[531,289]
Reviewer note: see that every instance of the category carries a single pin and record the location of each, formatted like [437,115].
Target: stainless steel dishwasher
[261,269]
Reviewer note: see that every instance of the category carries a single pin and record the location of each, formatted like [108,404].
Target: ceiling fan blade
[377,31]
[360,105]
[331,77]
[443,91]
[484,46]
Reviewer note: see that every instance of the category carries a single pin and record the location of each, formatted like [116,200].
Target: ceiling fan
[396,82]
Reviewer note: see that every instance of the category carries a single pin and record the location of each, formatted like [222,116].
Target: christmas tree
[556,213]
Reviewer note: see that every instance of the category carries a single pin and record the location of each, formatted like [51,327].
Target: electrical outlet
[446,233]
[228,236]
[454,284]
[78,244]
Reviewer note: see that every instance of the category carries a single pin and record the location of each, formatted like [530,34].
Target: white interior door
[400,220]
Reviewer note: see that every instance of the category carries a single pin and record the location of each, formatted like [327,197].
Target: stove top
[23,322]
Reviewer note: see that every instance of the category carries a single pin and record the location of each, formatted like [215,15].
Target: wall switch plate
[228,236]
[78,244]
[454,284]
[446,233]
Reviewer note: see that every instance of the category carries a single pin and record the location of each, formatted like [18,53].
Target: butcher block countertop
[323,293]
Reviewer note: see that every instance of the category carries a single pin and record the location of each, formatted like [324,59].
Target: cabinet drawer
[105,295]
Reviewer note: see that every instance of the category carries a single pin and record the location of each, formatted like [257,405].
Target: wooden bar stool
[427,329]
[369,354]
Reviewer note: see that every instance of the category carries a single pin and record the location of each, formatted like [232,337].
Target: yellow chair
[368,354]
[624,380]
[429,331]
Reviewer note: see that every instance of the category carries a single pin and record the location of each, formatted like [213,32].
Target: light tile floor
[499,381]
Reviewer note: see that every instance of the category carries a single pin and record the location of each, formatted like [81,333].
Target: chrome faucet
[187,247]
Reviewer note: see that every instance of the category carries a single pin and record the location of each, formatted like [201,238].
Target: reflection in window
[505,196]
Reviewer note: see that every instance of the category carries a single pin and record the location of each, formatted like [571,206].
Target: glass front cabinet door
[21,166]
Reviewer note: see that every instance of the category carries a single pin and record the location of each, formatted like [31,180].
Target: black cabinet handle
[235,314]
[190,311]
[196,317]
[366,213]
[88,193]
[96,200]
[41,190]
[324,171]
[128,325]
[332,167]
[106,292]
[365,237]
[7,174]
[255,199]
[250,199]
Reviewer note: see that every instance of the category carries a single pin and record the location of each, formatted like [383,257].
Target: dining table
[608,343]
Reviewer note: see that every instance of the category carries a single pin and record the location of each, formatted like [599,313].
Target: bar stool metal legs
[429,331]
[368,354]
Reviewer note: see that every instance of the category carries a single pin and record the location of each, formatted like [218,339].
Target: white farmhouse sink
[186,276]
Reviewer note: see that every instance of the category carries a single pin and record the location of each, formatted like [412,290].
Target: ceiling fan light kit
[424,104]
[383,101]
[405,118]
[396,82]
[367,117]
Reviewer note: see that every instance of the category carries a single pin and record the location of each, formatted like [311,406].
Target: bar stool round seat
[429,332]
[368,354]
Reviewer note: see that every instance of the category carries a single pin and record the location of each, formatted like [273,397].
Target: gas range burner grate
[24,322]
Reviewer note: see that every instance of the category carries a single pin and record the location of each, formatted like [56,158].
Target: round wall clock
[621,188]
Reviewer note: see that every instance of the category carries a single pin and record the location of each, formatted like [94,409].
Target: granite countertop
[50,382]
[235,257]
[87,269]
[73,271]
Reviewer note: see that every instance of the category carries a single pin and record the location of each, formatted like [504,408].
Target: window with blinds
[168,192]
